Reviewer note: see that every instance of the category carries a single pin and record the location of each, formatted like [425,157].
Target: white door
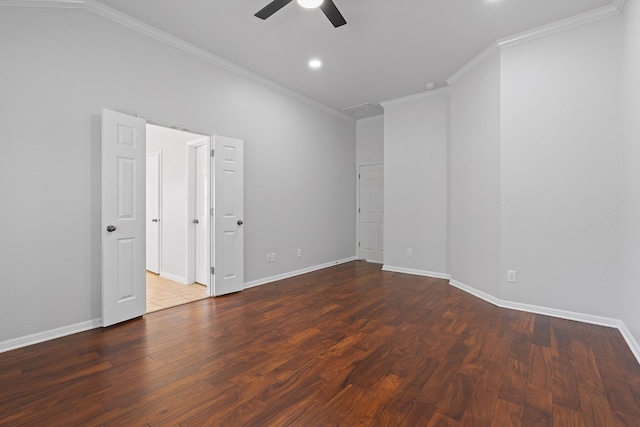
[153,211]
[201,213]
[123,217]
[228,214]
[371,218]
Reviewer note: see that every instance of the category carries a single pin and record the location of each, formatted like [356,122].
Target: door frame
[159,225]
[191,196]
[358,207]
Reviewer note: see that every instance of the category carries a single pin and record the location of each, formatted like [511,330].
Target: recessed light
[310,4]
[315,64]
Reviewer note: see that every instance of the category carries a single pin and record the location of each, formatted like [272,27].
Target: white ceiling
[388,49]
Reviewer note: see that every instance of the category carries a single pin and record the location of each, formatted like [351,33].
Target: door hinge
[358,210]
[213,152]
[213,270]
[358,244]
[358,176]
[211,211]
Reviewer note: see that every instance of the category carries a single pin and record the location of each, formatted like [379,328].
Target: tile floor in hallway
[164,293]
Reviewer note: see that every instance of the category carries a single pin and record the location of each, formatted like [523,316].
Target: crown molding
[535,33]
[177,43]
[417,97]
[558,26]
[480,58]
[77,4]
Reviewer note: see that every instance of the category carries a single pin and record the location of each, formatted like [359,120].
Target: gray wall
[560,169]
[415,183]
[370,141]
[475,178]
[60,67]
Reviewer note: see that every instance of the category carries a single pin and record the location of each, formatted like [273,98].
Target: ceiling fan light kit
[310,4]
[328,7]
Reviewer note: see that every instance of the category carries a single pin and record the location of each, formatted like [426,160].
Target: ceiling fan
[327,6]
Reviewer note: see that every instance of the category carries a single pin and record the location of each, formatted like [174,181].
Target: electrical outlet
[299,252]
[409,252]
[512,276]
[273,257]
[268,257]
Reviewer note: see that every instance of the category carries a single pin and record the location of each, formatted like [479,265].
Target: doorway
[177,215]
[124,145]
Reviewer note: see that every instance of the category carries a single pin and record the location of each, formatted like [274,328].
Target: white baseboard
[283,276]
[49,335]
[415,272]
[554,312]
[631,341]
[174,277]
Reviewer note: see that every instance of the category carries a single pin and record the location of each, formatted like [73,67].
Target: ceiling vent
[362,111]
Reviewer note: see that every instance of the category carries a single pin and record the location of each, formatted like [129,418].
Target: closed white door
[229,216]
[123,217]
[371,218]
[201,213]
[153,211]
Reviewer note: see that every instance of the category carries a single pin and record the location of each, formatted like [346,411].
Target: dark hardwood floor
[349,345]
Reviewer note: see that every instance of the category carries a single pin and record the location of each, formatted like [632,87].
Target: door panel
[123,212]
[371,217]
[229,216]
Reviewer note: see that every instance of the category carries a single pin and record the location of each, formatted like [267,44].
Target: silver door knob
[111,228]
[155,220]
[240,222]
[195,221]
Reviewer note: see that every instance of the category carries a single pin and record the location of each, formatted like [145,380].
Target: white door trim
[159,214]
[191,196]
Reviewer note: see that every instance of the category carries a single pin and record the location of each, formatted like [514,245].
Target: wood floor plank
[507,414]
[564,384]
[349,345]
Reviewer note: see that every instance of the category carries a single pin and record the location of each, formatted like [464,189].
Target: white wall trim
[561,25]
[166,38]
[477,293]
[634,346]
[49,335]
[417,97]
[534,33]
[554,312]
[174,277]
[480,58]
[424,273]
[283,276]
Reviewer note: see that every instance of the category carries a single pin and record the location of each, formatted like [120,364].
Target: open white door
[229,214]
[123,217]
[153,212]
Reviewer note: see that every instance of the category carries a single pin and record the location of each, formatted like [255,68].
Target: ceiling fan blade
[272,8]
[329,8]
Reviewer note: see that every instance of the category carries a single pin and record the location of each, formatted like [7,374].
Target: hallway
[164,293]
